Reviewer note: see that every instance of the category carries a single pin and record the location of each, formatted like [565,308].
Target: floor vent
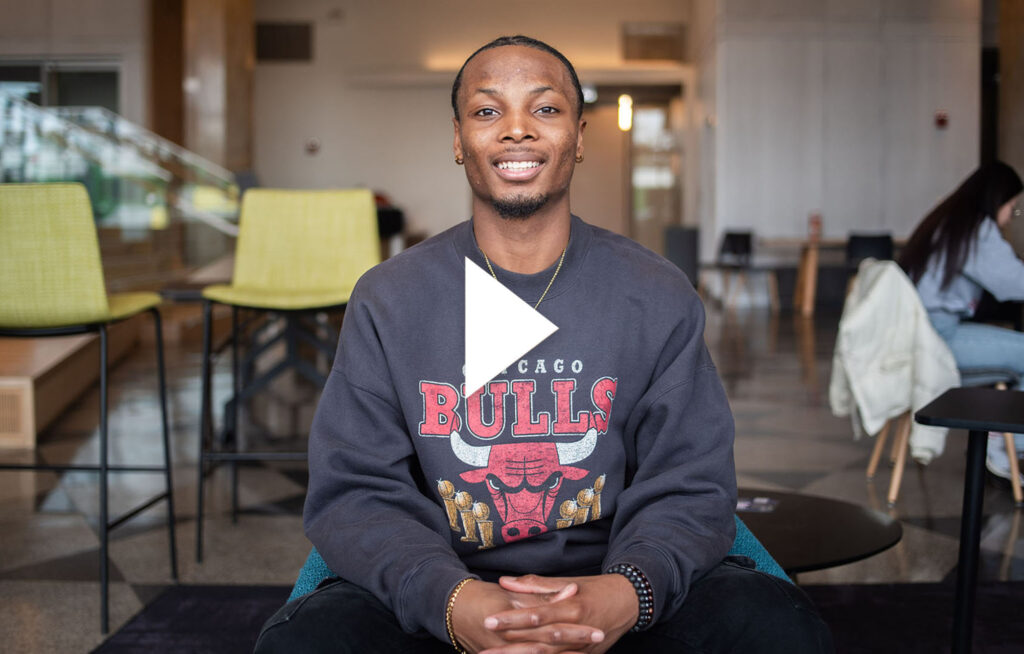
[653,41]
[12,416]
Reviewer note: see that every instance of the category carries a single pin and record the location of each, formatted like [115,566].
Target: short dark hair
[528,42]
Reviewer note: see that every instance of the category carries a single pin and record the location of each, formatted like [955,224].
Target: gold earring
[458,160]
[579,158]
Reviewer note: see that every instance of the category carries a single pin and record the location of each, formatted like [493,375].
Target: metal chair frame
[104,467]
[213,447]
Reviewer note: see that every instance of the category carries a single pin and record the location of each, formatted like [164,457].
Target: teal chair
[315,570]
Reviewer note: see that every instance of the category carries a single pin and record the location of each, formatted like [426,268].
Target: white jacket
[888,357]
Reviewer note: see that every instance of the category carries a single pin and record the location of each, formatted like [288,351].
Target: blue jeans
[733,608]
[975,345]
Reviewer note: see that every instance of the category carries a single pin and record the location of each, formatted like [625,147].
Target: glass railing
[162,212]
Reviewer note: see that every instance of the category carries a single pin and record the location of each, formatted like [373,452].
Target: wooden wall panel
[218,80]
[167,69]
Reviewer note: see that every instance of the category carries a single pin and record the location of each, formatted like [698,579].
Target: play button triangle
[500,327]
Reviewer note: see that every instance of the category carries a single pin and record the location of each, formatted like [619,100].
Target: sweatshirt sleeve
[994,265]
[674,520]
[367,511]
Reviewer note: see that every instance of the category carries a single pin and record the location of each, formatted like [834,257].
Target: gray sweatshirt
[610,442]
[991,265]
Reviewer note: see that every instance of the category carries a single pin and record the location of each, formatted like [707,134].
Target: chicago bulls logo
[524,478]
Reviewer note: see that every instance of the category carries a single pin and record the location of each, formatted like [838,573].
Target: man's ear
[579,138]
[457,145]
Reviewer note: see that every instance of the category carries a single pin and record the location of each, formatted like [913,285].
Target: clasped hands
[540,615]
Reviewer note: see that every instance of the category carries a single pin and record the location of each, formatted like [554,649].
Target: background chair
[998,378]
[53,286]
[889,362]
[861,246]
[315,569]
[734,257]
[299,253]
[735,262]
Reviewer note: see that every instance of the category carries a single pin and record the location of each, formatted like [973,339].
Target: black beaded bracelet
[644,592]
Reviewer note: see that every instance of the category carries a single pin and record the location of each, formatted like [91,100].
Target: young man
[584,498]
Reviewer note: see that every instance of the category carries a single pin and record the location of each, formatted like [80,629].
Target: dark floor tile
[79,566]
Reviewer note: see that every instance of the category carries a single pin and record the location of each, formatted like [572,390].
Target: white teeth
[517,165]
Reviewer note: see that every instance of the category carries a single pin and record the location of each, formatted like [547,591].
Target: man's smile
[518,167]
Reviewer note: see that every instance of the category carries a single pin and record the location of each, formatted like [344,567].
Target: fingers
[565,593]
[528,648]
[534,616]
[535,584]
[557,634]
[564,638]
[527,600]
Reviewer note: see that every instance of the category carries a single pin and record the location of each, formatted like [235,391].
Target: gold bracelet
[448,614]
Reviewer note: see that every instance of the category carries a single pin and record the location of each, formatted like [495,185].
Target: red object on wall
[941,119]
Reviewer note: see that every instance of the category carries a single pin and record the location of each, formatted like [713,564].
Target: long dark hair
[950,227]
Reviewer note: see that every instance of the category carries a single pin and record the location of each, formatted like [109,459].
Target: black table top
[804,532]
[982,409]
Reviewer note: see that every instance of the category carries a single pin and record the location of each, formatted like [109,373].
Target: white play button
[500,327]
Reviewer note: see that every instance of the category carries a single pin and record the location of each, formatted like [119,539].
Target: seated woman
[956,253]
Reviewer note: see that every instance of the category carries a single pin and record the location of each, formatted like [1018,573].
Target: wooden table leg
[806,281]
[801,273]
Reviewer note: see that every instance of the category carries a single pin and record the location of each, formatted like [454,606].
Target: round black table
[805,532]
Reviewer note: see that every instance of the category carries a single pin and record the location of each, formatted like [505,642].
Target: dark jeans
[731,609]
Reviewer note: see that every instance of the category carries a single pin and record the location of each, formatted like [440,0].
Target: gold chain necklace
[545,293]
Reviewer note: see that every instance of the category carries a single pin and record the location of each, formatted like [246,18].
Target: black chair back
[737,249]
[862,246]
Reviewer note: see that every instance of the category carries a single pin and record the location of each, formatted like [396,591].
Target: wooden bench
[41,377]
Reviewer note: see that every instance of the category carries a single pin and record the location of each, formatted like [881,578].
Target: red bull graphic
[524,478]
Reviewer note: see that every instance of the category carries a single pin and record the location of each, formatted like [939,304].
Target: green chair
[299,253]
[51,284]
[315,569]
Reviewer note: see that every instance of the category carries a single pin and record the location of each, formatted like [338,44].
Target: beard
[519,207]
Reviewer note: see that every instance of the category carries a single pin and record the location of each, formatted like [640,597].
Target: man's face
[517,129]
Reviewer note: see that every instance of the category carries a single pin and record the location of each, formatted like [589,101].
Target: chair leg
[104,516]
[901,459]
[773,290]
[894,452]
[730,290]
[876,453]
[205,425]
[236,399]
[1011,454]
[162,376]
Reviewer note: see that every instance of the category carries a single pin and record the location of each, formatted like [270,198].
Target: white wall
[599,183]
[377,93]
[829,106]
[115,30]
